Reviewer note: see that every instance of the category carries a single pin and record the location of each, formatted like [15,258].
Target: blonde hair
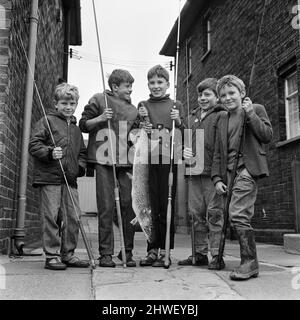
[231,80]
[66,91]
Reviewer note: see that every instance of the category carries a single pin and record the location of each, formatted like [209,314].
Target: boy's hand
[57,153]
[187,153]
[248,106]
[175,116]
[221,188]
[107,114]
[143,112]
[147,126]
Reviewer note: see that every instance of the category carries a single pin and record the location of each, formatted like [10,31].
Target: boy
[55,199]
[204,203]
[160,110]
[122,115]
[252,164]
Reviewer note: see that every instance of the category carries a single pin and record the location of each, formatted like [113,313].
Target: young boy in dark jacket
[205,204]
[252,164]
[159,108]
[94,120]
[55,201]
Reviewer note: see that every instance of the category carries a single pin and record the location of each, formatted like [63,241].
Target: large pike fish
[140,185]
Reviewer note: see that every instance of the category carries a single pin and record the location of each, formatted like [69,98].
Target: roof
[188,15]
[75,21]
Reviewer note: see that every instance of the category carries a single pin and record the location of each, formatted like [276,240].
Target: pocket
[244,174]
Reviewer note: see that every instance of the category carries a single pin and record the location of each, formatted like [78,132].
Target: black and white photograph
[149,154]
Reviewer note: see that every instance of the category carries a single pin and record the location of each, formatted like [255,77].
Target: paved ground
[26,279]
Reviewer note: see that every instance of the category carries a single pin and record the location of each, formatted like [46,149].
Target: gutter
[19,231]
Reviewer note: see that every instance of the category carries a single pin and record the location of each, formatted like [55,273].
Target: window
[292,114]
[188,58]
[2,18]
[206,35]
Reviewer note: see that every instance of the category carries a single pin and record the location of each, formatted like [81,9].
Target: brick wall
[13,66]
[234,31]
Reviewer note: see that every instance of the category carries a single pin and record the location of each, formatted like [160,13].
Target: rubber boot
[249,264]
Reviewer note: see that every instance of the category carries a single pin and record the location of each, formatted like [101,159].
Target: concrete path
[26,279]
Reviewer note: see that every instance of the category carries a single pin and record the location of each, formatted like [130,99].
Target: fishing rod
[191,145]
[81,228]
[240,142]
[170,180]
[116,184]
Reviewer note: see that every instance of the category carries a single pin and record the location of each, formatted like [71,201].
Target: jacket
[124,114]
[67,136]
[258,131]
[209,125]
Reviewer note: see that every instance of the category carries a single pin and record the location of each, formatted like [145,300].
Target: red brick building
[59,25]
[221,37]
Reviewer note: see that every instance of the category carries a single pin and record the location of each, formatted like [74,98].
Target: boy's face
[66,107]
[231,97]
[158,86]
[207,99]
[122,91]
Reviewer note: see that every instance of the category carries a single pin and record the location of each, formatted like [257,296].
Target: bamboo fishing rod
[116,184]
[240,138]
[170,180]
[81,228]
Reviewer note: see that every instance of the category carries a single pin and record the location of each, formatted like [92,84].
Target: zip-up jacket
[67,136]
[209,125]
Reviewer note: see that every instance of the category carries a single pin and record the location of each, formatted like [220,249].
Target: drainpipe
[67,44]
[19,231]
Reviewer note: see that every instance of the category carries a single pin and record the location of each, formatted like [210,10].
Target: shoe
[75,262]
[129,261]
[106,261]
[160,262]
[148,260]
[55,264]
[248,267]
[215,265]
[200,260]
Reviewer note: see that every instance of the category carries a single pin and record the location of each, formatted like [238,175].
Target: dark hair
[118,76]
[159,71]
[208,83]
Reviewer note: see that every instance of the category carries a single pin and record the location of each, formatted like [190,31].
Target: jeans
[244,192]
[206,208]
[105,186]
[56,207]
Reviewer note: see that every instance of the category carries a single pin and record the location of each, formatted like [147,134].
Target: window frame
[206,42]
[287,97]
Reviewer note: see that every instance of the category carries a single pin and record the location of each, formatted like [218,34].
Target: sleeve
[260,124]
[40,145]
[93,109]
[82,157]
[216,163]
[179,106]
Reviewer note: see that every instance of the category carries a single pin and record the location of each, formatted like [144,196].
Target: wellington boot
[249,264]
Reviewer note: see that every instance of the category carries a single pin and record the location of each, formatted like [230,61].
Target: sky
[132,32]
